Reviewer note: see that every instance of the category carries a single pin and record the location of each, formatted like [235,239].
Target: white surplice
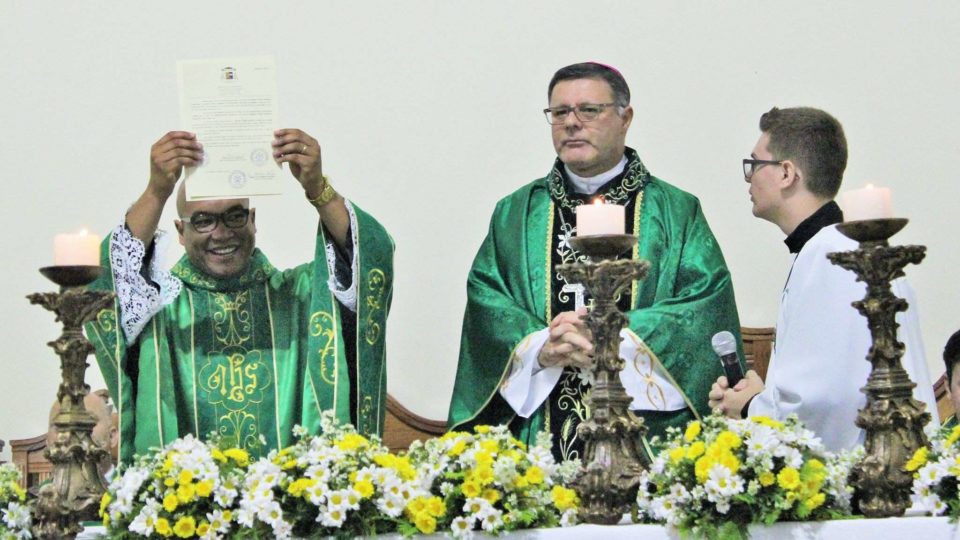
[819,361]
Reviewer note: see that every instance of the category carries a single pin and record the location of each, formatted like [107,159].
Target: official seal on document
[237,179]
[258,156]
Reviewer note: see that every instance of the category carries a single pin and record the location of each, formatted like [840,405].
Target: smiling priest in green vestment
[224,342]
[524,345]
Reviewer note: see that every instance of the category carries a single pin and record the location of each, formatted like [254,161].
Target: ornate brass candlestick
[74,493]
[607,484]
[892,419]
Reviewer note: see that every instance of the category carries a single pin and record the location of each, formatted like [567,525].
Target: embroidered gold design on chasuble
[323,326]
[376,281]
[235,378]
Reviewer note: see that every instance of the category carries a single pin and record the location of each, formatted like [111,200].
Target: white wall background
[428,113]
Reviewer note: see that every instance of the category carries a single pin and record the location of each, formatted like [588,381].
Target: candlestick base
[76,486]
[72,276]
[607,484]
[892,419]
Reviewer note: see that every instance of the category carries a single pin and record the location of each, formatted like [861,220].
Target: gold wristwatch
[326,194]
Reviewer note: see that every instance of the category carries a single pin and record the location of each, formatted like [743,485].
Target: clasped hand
[570,342]
[731,401]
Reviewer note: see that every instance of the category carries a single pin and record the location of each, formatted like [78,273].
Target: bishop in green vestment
[224,343]
[524,348]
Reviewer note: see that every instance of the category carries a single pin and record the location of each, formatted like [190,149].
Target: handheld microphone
[726,348]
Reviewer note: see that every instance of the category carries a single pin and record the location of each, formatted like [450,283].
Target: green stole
[686,298]
[247,358]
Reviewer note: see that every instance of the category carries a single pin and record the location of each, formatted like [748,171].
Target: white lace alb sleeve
[528,386]
[139,301]
[345,295]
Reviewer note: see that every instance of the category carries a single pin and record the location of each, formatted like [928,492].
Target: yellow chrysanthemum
[484,474]
[730,461]
[364,488]
[563,498]
[483,458]
[676,454]
[695,450]
[520,482]
[470,488]
[534,475]
[918,460]
[300,485]
[482,429]
[238,455]
[416,506]
[728,440]
[767,421]
[170,502]
[435,507]
[491,446]
[953,437]
[185,477]
[788,478]
[185,527]
[289,464]
[816,501]
[186,493]
[104,503]
[457,448]
[168,462]
[352,441]
[693,430]
[491,495]
[425,523]
[205,488]
[218,455]
[162,527]
[169,481]
[767,478]
[202,529]
[702,466]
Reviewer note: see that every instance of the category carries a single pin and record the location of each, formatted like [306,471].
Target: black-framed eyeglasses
[204,222]
[751,166]
[585,112]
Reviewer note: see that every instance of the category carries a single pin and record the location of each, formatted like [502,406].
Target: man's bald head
[185,209]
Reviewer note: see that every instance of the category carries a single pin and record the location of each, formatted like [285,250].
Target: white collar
[590,185]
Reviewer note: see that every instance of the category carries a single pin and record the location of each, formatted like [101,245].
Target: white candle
[600,218]
[867,203]
[81,249]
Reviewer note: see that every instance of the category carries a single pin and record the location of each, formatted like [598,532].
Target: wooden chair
[28,456]
[757,347]
[402,426]
[944,404]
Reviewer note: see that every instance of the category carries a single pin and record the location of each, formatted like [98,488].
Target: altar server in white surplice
[819,361]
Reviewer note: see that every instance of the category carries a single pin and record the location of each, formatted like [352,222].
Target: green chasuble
[512,292]
[250,357]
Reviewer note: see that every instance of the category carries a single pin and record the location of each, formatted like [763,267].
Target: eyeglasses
[751,166]
[585,112]
[204,222]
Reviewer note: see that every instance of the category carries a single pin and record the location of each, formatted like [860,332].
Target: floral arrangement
[186,490]
[15,522]
[936,470]
[339,483]
[718,476]
[488,480]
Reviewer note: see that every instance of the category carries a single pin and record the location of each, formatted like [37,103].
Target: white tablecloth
[905,528]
